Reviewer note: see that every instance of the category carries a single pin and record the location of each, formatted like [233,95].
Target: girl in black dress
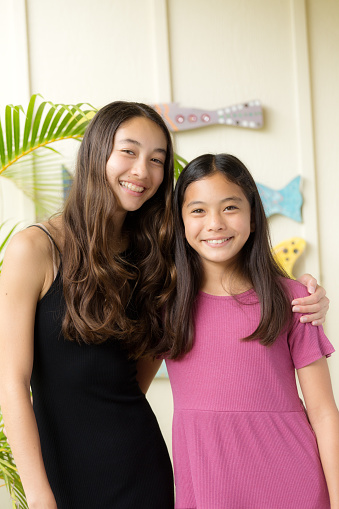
[81,299]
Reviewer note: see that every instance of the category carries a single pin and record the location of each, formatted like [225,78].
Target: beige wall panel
[5,502]
[323,20]
[92,51]
[224,52]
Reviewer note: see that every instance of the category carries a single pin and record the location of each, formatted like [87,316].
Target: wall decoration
[179,118]
[287,252]
[162,373]
[67,179]
[286,201]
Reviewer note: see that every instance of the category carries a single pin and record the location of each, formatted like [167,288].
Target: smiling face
[217,220]
[135,168]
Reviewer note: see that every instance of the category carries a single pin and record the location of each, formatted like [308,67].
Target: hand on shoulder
[314,305]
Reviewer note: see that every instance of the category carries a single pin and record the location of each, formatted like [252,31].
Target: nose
[140,168]
[215,222]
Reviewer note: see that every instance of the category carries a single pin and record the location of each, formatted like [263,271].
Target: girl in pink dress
[241,435]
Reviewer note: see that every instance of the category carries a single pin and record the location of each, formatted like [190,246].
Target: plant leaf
[36,123]
[9,141]
[39,176]
[58,115]
[28,123]
[16,129]
[2,147]
[47,122]
[4,242]
[179,164]
[51,122]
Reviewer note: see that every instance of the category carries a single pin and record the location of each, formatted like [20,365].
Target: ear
[252,221]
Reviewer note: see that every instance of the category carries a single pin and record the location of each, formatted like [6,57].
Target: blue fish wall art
[286,201]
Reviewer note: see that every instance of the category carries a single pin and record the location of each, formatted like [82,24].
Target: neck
[219,280]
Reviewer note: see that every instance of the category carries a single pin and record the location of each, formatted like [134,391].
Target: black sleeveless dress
[101,443]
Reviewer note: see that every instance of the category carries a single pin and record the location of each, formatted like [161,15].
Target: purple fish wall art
[178,118]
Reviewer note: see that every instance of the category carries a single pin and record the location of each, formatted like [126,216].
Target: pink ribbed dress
[241,438]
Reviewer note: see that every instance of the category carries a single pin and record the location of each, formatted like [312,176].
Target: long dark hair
[255,261]
[98,283]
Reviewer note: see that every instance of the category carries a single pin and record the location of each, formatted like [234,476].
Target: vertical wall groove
[304,121]
[162,61]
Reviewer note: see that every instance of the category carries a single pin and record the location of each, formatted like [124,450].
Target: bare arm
[316,305]
[22,281]
[316,387]
[147,369]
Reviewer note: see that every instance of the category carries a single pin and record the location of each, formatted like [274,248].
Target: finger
[314,318]
[309,281]
[311,299]
[319,308]
[319,322]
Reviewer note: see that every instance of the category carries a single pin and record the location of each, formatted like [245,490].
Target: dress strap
[44,229]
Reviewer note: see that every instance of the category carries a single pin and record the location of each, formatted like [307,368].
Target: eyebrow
[138,144]
[231,198]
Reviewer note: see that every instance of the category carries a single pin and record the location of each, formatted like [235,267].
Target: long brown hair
[255,262]
[109,295]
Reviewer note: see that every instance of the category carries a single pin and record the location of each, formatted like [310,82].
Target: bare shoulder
[30,245]
[27,260]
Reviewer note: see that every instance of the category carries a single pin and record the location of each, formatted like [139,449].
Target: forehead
[215,187]
[143,130]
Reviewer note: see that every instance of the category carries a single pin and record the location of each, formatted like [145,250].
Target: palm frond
[4,242]
[179,165]
[43,124]
[40,176]
[9,473]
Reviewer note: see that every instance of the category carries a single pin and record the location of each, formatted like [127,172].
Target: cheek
[245,226]
[115,167]
[190,231]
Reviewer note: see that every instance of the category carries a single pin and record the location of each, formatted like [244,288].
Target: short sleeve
[307,342]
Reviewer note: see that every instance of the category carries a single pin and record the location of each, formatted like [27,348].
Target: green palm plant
[9,473]
[24,158]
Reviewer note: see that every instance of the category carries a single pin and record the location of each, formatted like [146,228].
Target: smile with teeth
[218,241]
[132,187]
